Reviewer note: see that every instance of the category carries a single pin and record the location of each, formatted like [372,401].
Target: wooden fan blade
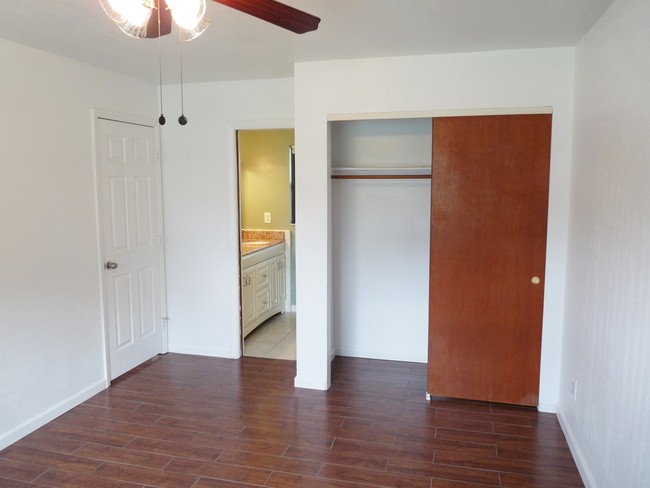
[165,21]
[276,13]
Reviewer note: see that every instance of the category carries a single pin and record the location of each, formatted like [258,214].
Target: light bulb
[187,13]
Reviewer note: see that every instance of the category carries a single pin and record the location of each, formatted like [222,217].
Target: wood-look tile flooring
[189,421]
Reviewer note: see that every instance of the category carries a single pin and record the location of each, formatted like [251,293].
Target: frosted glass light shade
[132,12]
[137,31]
[190,34]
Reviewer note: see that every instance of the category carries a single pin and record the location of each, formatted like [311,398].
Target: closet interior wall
[380,228]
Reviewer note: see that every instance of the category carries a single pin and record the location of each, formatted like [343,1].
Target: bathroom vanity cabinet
[263,285]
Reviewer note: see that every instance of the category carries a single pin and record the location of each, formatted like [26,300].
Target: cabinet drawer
[262,302]
[262,275]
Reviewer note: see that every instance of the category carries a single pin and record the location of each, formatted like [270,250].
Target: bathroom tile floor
[274,339]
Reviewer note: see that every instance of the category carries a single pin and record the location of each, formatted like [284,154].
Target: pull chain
[161,119]
[182,119]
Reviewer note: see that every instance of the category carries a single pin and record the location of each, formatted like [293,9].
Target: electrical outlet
[574,389]
[267,217]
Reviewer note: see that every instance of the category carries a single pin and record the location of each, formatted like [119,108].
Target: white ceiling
[237,46]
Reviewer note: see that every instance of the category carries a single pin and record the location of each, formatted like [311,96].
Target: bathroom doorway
[265,160]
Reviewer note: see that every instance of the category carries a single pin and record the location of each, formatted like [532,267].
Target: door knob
[535,280]
[110,265]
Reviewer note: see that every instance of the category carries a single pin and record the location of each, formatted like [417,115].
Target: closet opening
[380,194]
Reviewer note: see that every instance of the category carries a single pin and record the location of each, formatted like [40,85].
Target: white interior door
[132,243]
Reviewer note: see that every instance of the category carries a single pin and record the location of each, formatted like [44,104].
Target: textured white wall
[200,200]
[51,333]
[335,89]
[607,331]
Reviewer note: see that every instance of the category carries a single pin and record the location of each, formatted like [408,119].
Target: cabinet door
[249,313]
[273,282]
[280,281]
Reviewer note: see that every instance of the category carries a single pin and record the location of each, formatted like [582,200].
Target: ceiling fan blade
[165,20]
[276,13]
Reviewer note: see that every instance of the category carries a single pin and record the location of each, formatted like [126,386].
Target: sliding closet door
[489,203]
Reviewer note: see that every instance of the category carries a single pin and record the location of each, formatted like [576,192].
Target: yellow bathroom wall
[264,178]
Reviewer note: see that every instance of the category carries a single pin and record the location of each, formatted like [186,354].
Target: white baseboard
[310,383]
[578,456]
[547,407]
[202,351]
[354,353]
[30,425]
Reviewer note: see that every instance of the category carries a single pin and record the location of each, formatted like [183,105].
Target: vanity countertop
[256,240]
[251,247]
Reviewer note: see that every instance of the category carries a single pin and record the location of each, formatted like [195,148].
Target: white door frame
[232,127]
[97,114]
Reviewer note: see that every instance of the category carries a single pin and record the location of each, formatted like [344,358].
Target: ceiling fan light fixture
[188,14]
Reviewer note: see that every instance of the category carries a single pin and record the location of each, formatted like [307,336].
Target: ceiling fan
[137,18]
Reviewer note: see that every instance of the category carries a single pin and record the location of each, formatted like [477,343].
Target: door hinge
[163,322]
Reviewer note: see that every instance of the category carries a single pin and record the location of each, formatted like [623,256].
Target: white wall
[51,332]
[201,206]
[380,234]
[607,331]
[334,89]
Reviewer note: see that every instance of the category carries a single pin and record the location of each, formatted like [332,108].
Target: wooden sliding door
[489,204]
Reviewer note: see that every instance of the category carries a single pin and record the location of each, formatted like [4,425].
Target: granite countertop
[256,240]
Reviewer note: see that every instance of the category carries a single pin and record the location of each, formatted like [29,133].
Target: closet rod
[382,177]
[387,173]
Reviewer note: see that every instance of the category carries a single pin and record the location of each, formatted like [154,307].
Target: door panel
[143,203]
[489,206]
[128,179]
[118,216]
[147,300]
[123,311]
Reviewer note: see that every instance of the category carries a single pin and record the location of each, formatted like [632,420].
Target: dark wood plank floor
[188,421]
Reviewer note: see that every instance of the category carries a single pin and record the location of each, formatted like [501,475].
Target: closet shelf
[400,173]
